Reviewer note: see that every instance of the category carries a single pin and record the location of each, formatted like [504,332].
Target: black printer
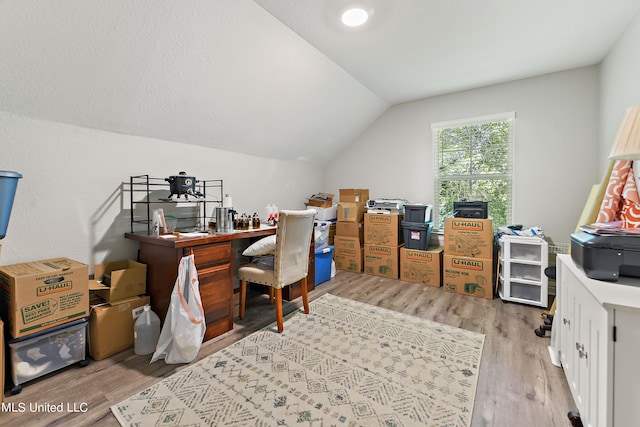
[606,256]
[465,209]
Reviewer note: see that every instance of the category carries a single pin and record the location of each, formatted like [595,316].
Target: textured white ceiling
[277,78]
[224,74]
[413,49]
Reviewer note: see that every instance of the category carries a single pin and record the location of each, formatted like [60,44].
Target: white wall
[556,147]
[73,199]
[619,86]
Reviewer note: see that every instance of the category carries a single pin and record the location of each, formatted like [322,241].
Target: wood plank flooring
[518,385]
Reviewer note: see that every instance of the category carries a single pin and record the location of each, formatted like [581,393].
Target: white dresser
[597,328]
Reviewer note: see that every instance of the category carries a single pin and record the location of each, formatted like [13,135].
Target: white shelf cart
[522,264]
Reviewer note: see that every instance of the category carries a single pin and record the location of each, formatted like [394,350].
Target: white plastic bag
[184,325]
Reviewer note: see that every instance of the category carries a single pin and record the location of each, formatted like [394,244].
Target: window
[473,161]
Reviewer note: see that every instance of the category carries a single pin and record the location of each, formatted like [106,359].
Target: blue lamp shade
[8,185]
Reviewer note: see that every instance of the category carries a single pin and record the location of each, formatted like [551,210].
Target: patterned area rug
[344,364]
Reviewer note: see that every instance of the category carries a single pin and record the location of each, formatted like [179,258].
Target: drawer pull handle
[566,321]
[581,352]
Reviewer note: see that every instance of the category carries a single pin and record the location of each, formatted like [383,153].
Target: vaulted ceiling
[278,78]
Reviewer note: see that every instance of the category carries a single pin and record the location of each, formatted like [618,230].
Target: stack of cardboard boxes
[468,257]
[117,299]
[382,242]
[349,238]
[45,305]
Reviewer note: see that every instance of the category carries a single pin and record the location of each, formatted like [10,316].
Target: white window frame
[508,175]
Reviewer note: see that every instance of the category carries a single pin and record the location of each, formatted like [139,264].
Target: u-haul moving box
[468,276]
[468,237]
[41,294]
[383,229]
[382,260]
[421,266]
[347,253]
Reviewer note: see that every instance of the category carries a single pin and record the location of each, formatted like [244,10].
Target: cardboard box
[321,200]
[421,266]
[468,237]
[382,260]
[353,212]
[350,229]
[354,195]
[128,279]
[40,294]
[468,276]
[383,229]
[348,253]
[111,326]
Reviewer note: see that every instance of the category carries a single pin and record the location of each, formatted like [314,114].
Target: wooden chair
[291,261]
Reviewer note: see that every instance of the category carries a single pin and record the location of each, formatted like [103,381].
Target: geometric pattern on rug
[345,364]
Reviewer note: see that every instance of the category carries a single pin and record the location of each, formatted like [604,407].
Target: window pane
[455,163]
[450,139]
[489,159]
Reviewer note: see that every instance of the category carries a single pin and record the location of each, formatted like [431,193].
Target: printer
[466,209]
[394,206]
[606,256]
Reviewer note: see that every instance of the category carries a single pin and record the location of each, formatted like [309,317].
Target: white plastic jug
[146,332]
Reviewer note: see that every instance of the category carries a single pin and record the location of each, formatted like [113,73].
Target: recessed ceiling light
[355,17]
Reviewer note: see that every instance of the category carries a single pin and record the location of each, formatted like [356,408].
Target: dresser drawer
[216,293]
[215,286]
[210,255]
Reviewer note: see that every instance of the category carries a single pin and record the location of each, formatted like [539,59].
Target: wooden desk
[214,260]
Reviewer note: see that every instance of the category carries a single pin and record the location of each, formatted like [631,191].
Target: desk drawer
[210,255]
[215,286]
[217,299]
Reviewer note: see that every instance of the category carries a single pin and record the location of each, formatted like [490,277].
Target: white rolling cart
[522,263]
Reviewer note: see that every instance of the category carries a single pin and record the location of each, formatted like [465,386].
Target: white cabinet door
[591,363]
[567,303]
[626,383]
[583,346]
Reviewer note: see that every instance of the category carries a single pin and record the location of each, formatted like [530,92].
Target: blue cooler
[324,258]
[8,185]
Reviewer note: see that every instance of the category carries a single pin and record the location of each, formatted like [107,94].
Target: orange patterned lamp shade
[627,143]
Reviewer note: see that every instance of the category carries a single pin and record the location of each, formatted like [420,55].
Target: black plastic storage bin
[416,235]
[417,213]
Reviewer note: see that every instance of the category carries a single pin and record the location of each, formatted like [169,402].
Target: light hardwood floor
[518,385]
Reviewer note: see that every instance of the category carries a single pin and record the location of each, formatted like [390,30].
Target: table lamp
[627,143]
